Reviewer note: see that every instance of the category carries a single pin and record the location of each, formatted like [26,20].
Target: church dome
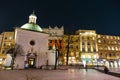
[31,25]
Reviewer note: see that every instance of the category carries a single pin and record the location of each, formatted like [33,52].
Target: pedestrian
[86,68]
[17,66]
[106,70]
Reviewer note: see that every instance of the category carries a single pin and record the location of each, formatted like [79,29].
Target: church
[31,45]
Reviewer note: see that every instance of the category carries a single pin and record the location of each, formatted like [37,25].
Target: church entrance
[31,62]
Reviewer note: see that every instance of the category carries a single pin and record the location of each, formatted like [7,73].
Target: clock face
[32,42]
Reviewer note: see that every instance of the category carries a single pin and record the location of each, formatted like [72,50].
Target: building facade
[82,47]
[7,43]
[55,41]
[88,47]
[109,50]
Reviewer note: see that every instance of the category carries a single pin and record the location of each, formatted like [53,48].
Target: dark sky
[100,15]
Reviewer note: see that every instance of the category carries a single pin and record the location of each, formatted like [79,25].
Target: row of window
[9,38]
[109,55]
[56,41]
[109,48]
[109,42]
[109,37]
[89,43]
[89,50]
[88,38]
[71,47]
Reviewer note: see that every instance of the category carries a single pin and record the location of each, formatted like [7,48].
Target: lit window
[118,38]
[112,48]
[72,53]
[99,41]
[107,37]
[108,47]
[93,38]
[111,37]
[9,44]
[98,36]
[77,54]
[0,59]
[10,38]
[83,56]
[95,56]
[115,42]
[116,48]
[114,37]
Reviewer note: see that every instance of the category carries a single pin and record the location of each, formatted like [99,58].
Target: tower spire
[33,13]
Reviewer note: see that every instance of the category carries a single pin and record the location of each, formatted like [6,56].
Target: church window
[32,42]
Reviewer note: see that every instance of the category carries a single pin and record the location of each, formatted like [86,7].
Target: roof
[32,26]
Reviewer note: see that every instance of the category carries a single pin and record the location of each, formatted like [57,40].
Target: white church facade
[31,46]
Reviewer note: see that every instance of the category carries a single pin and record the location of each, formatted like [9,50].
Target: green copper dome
[32,26]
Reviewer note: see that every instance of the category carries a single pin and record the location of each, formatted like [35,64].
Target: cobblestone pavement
[70,74]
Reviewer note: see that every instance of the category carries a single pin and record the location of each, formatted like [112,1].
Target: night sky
[100,15]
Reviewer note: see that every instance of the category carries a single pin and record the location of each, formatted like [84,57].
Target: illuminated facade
[27,46]
[7,42]
[109,50]
[82,47]
[88,47]
[34,45]
[55,40]
[74,49]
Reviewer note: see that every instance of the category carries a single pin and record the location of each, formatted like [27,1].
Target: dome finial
[33,13]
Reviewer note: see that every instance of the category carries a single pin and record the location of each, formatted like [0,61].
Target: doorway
[31,62]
